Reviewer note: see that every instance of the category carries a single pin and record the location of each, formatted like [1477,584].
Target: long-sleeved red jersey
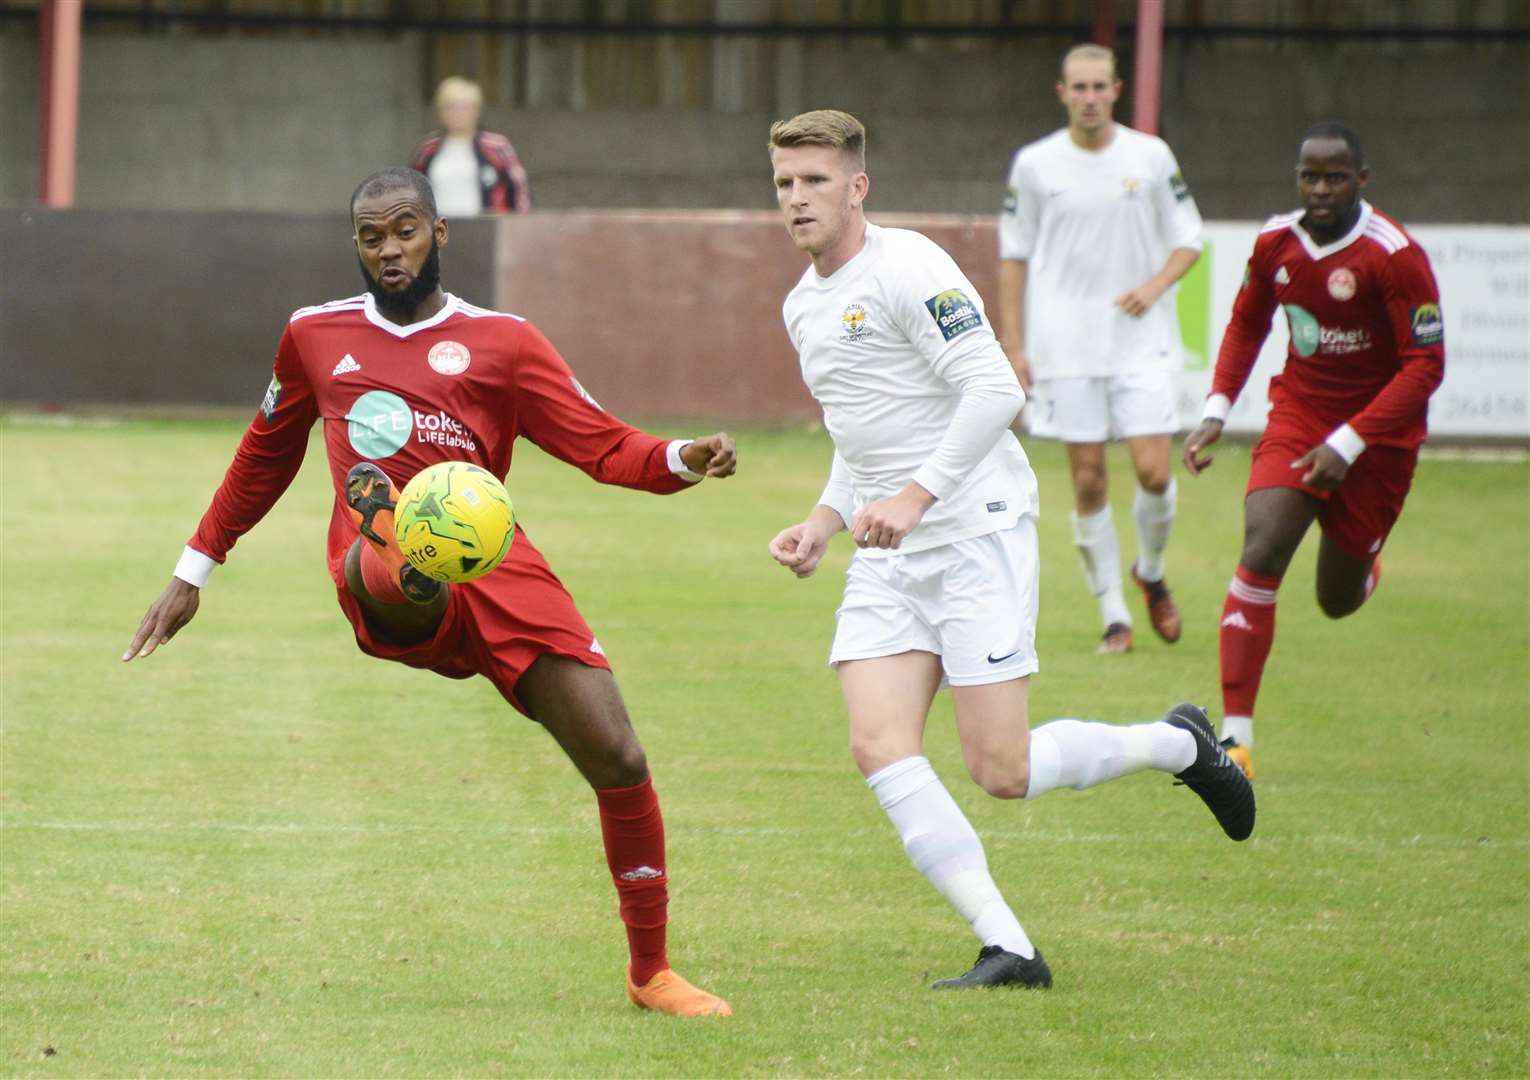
[461,385]
[1367,337]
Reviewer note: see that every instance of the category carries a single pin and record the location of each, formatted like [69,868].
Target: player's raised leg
[1010,762]
[1153,509]
[1344,581]
[1274,521]
[386,572]
[888,698]
[582,709]
[1094,534]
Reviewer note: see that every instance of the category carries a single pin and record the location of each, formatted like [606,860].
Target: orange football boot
[1163,613]
[1116,639]
[1239,755]
[667,992]
[372,499]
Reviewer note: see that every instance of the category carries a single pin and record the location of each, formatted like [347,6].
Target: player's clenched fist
[885,522]
[711,455]
[800,547]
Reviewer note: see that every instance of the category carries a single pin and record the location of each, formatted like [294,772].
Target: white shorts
[972,603]
[1095,410]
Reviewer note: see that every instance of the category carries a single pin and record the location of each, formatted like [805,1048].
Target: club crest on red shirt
[1341,283]
[449,357]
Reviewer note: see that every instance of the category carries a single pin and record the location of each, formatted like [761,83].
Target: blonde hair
[1088,52]
[823,127]
[455,86]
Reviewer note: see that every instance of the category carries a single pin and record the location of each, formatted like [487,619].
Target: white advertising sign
[1484,277]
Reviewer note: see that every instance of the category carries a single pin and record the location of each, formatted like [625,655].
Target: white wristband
[677,464]
[1217,408]
[1346,443]
[194,568]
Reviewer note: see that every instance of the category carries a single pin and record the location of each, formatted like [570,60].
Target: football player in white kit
[941,502]
[1098,226]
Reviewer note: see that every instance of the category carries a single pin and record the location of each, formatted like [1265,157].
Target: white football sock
[1095,537]
[1240,728]
[1155,518]
[946,850]
[1081,754]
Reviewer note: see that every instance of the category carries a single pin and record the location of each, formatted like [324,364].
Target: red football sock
[633,831]
[1248,631]
[380,581]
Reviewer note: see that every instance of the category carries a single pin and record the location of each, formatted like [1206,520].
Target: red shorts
[494,627]
[1358,515]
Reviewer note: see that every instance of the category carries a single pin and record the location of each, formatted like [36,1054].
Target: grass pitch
[261,853]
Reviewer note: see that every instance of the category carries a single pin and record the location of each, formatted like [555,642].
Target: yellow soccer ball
[454,521]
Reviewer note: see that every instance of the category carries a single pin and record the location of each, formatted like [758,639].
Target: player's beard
[398,306]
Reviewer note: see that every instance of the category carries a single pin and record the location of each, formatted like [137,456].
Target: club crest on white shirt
[854,322]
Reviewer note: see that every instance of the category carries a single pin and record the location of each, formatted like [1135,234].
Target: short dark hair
[393,179]
[1332,129]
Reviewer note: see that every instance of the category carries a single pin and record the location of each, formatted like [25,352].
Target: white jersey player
[941,502]
[1097,227]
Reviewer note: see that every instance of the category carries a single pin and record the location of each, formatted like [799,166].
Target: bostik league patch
[1428,325]
[953,313]
[272,399]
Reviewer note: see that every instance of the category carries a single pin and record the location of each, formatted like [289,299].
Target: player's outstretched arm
[164,619]
[1208,432]
[800,547]
[712,455]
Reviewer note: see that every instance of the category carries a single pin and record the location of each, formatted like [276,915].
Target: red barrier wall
[678,315]
[664,316]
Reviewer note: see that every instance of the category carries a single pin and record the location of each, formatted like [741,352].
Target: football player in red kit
[1347,414]
[405,376]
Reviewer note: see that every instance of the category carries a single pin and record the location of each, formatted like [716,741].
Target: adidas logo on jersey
[642,873]
[1237,621]
[348,363]
[1281,277]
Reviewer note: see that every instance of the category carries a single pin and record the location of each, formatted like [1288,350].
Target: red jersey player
[405,376]
[1347,414]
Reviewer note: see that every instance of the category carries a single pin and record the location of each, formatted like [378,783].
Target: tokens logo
[378,424]
[1306,333]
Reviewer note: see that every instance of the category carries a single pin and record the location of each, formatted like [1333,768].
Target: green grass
[261,853]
